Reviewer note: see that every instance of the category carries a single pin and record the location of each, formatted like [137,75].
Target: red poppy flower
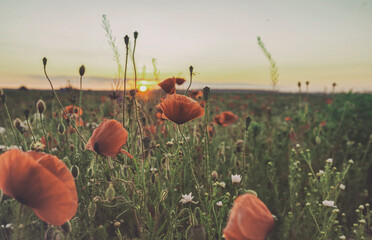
[329,101]
[225,118]
[180,81]
[168,85]
[180,109]
[323,123]
[249,219]
[287,119]
[196,94]
[41,182]
[73,110]
[108,138]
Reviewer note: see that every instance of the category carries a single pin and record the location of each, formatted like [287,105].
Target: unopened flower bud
[110,192]
[27,113]
[135,34]
[206,92]
[75,172]
[146,142]
[126,40]
[247,123]
[40,106]
[299,84]
[61,128]
[17,124]
[44,61]
[132,93]
[66,227]
[82,70]
[214,175]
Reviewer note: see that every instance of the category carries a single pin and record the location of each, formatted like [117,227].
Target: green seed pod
[92,208]
[40,106]
[82,70]
[75,171]
[110,192]
[61,128]
[318,140]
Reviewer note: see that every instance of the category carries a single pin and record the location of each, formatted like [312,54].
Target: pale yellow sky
[320,41]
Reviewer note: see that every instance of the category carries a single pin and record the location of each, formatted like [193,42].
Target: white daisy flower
[187,198]
[236,178]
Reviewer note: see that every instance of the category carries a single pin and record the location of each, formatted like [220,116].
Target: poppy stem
[44,132]
[16,226]
[11,124]
[134,62]
[29,126]
[126,40]
[61,106]
[191,69]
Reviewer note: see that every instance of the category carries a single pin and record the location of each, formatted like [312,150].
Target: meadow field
[307,158]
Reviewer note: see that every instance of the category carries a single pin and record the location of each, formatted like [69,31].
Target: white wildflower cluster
[328,203]
[219,204]
[329,160]
[186,198]
[236,178]
[222,184]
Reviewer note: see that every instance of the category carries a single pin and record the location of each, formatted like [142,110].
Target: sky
[320,41]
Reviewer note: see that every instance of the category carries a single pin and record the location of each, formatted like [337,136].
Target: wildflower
[351,161]
[342,186]
[180,109]
[328,203]
[249,219]
[40,105]
[329,160]
[214,175]
[235,179]
[196,94]
[362,221]
[180,81]
[225,118]
[187,198]
[219,204]
[41,182]
[222,184]
[108,138]
[287,119]
[298,145]
[168,85]
[2,130]
[73,110]
[342,237]
[321,172]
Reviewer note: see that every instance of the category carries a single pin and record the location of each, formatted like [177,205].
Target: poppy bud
[110,192]
[92,208]
[334,84]
[75,171]
[126,40]
[61,128]
[66,227]
[44,61]
[191,68]
[247,123]
[135,34]
[82,70]
[40,105]
[299,84]
[307,83]
[17,124]
[198,232]
[318,140]
[206,92]
[72,147]
[82,146]
[117,224]
[27,113]
[163,195]
[132,93]
[214,175]
[146,142]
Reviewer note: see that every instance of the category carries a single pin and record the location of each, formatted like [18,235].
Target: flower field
[168,164]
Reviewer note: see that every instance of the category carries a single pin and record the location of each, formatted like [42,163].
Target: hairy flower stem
[134,64]
[125,82]
[32,132]
[16,226]
[11,125]
[63,109]
[44,132]
[80,99]
[206,121]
